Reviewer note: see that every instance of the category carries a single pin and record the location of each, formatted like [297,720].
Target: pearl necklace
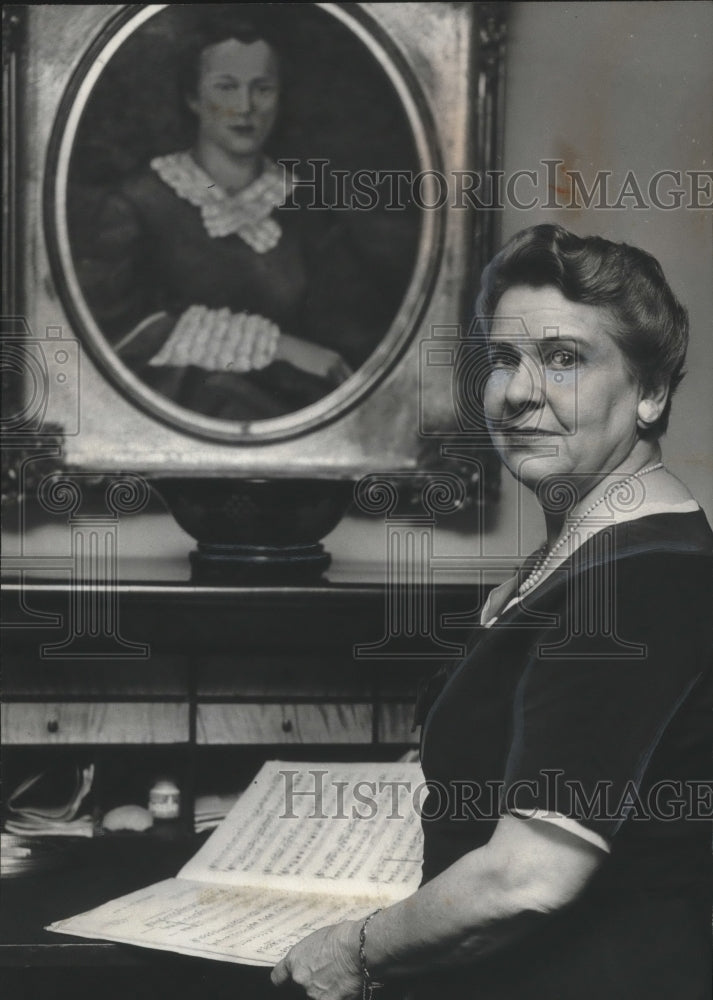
[545,558]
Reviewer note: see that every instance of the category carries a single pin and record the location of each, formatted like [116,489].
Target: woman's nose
[524,388]
[242,101]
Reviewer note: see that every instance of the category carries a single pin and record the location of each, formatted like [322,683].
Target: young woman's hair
[648,323]
[214,29]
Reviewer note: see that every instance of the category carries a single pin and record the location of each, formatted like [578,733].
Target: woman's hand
[312,358]
[325,964]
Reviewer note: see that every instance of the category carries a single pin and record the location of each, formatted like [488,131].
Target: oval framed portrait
[229,212]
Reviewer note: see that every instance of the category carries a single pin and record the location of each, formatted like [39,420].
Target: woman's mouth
[525,432]
[525,436]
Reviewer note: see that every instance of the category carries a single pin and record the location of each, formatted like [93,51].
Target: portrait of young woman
[201,258]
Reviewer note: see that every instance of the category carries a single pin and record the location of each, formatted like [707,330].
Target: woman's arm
[485,901]
[217,340]
[112,263]
[313,358]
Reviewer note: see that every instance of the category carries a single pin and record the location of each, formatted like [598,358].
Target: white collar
[245,214]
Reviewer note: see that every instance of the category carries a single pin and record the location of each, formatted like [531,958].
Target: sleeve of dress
[630,647]
[114,273]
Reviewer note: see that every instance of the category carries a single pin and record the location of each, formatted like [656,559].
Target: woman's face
[237,95]
[559,400]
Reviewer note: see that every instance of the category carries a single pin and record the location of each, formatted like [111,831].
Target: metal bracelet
[368,984]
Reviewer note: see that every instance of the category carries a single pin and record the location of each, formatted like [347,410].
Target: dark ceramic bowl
[256,512]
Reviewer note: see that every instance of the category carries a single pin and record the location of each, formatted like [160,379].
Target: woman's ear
[651,406]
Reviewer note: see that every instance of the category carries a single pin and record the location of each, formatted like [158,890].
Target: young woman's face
[237,95]
[559,400]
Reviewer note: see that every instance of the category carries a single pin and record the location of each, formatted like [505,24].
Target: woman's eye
[560,358]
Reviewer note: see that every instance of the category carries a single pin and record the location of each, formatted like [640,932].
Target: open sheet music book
[305,846]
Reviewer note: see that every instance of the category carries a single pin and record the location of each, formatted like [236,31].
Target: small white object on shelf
[165,799]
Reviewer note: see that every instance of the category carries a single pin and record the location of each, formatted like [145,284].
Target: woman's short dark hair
[648,323]
[217,27]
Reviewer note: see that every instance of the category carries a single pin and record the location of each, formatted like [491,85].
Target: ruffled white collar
[246,214]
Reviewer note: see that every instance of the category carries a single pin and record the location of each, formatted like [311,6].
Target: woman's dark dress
[616,704]
[144,250]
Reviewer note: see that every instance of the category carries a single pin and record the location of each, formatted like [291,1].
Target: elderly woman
[584,700]
[210,290]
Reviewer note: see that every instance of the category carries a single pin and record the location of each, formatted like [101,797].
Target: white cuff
[218,340]
[565,823]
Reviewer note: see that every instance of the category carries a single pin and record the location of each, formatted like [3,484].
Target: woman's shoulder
[656,570]
[145,188]
[661,558]
[680,528]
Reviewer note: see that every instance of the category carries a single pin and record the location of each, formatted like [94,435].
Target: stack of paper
[21,856]
[305,846]
[211,810]
[34,811]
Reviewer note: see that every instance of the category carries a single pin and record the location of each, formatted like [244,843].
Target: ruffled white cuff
[219,340]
